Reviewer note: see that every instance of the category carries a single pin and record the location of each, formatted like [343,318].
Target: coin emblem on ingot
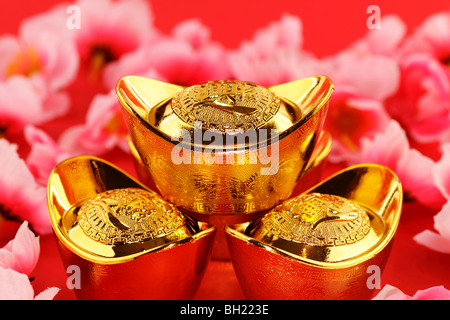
[226,105]
[318,220]
[126,216]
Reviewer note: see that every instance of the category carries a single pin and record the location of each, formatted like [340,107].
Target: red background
[328,26]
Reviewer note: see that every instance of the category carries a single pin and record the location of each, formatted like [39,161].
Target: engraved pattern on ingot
[226,105]
[127,215]
[318,220]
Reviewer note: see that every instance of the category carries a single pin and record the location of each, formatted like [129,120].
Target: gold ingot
[220,177]
[324,243]
[127,242]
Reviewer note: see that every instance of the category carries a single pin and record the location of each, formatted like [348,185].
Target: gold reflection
[235,119]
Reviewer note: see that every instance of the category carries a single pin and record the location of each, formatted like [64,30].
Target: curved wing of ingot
[139,94]
[320,243]
[142,172]
[313,171]
[310,94]
[320,152]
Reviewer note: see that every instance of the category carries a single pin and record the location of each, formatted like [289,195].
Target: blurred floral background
[391,105]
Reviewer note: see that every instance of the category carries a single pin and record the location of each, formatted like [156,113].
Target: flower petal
[21,253]
[438,242]
[433,241]
[21,196]
[15,286]
[44,154]
[390,293]
[47,294]
[433,293]
[441,171]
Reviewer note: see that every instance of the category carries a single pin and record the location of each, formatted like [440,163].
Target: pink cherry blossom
[364,74]
[368,65]
[189,56]
[371,75]
[35,68]
[193,32]
[351,118]
[391,148]
[109,30]
[422,102]
[28,101]
[384,41]
[392,293]
[39,52]
[135,63]
[16,286]
[432,37]
[19,104]
[20,196]
[284,33]
[386,147]
[439,241]
[274,55]
[21,253]
[44,155]
[441,172]
[186,57]
[47,36]
[103,130]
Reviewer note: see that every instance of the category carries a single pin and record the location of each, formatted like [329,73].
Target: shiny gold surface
[329,234]
[127,242]
[157,112]
[320,153]
[309,178]
[226,106]
[344,219]
[317,220]
[322,227]
[105,216]
[129,215]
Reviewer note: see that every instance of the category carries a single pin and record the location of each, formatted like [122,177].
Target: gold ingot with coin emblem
[127,242]
[224,151]
[323,243]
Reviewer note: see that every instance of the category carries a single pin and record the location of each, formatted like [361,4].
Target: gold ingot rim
[140,96]
[389,211]
[59,204]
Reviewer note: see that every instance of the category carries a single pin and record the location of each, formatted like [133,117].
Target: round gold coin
[226,106]
[128,215]
[318,220]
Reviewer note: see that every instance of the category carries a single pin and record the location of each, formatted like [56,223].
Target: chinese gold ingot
[320,244]
[222,173]
[128,242]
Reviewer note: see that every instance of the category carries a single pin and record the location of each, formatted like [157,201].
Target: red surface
[328,27]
